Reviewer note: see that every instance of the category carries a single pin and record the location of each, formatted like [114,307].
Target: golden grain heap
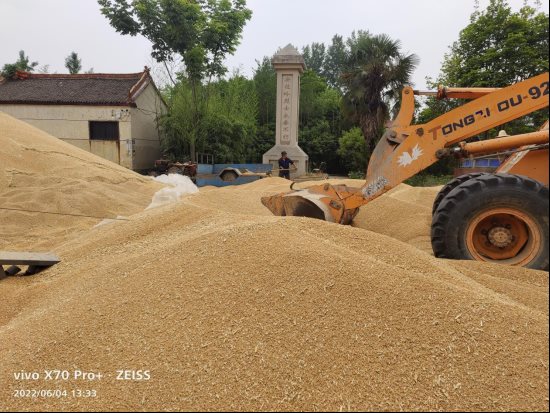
[232,308]
[41,173]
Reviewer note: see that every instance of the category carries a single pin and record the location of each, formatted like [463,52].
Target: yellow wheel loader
[501,217]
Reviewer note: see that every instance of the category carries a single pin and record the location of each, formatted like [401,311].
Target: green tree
[327,62]
[353,151]
[73,63]
[23,64]
[265,81]
[498,48]
[321,144]
[334,62]
[376,70]
[314,57]
[179,131]
[312,86]
[231,120]
[201,32]
[227,128]
[320,121]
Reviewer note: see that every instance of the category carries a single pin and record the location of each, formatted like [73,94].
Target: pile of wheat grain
[232,308]
[39,172]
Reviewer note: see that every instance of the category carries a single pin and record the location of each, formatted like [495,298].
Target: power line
[63,214]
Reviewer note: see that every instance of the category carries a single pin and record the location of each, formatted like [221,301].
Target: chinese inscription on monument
[286,112]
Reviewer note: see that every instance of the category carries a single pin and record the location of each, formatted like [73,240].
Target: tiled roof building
[112,115]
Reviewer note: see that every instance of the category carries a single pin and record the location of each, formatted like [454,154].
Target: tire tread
[474,187]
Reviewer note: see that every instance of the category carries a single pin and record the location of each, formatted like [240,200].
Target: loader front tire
[494,218]
[446,190]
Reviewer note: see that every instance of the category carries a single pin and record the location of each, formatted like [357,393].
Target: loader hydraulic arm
[407,149]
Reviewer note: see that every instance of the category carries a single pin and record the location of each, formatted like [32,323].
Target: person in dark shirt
[284,166]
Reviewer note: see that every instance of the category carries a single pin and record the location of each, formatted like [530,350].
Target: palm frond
[375,72]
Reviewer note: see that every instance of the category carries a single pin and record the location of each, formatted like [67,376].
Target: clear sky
[49,30]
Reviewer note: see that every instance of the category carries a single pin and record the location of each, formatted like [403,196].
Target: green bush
[353,150]
[427,180]
[356,175]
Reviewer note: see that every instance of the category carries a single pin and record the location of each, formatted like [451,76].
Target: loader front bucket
[324,202]
[297,204]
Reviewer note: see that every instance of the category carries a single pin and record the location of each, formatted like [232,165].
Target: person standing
[284,166]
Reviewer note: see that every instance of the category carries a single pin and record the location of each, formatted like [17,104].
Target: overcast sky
[49,30]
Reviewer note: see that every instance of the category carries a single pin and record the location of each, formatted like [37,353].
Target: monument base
[295,153]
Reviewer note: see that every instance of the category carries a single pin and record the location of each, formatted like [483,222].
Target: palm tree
[375,72]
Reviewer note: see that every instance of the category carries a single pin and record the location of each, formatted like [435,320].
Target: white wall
[139,136]
[144,128]
[71,123]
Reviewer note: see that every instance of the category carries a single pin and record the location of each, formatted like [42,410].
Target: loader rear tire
[494,218]
[446,190]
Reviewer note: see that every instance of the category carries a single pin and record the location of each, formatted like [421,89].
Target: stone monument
[289,65]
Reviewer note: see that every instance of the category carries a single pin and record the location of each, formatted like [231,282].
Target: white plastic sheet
[178,185]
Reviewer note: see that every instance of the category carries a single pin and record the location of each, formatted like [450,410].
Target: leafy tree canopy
[353,151]
[327,62]
[73,63]
[265,80]
[203,32]
[23,63]
[320,121]
[227,127]
[334,62]
[498,48]
[315,56]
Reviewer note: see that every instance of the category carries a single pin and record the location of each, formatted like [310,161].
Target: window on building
[104,131]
